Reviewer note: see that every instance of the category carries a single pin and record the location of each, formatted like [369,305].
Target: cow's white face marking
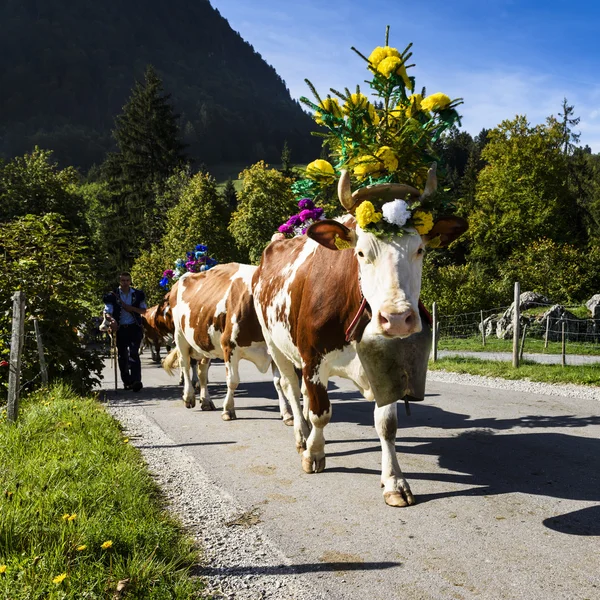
[390,279]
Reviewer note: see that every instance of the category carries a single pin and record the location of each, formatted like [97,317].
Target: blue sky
[502,57]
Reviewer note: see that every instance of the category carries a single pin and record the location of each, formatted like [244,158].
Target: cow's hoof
[398,499]
[289,421]
[190,403]
[229,415]
[208,405]
[313,466]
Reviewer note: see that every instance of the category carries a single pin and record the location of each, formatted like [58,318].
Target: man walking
[123,309]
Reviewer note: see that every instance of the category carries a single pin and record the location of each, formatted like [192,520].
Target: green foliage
[70,483]
[33,184]
[52,266]
[149,152]
[147,272]
[523,192]
[265,202]
[562,272]
[230,195]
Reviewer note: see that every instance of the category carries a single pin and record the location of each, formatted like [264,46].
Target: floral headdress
[298,224]
[382,149]
[196,261]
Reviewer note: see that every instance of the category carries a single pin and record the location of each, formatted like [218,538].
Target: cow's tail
[171,361]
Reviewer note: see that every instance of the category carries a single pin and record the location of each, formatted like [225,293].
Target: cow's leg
[291,389]
[232,361]
[305,403]
[207,403]
[284,405]
[189,397]
[195,382]
[155,352]
[319,413]
[396,491]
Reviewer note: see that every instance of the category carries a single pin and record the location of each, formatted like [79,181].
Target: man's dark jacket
[114,298]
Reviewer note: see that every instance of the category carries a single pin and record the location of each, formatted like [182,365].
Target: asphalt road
[507,485]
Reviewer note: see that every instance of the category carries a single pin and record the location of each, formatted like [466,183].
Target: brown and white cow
[308,293]
[158,328]
[214,317]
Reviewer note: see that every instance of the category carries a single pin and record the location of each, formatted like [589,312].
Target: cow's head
[390,267]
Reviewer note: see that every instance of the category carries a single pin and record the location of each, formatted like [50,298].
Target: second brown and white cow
[214,317]
[308,295]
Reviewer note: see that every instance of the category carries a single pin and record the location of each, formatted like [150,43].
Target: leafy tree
[265,202]
[147,136]
[523,192]
[51,265]
[33,184]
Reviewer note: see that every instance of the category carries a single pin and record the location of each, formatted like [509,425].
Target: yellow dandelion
[366,214]
[2,569]
[59,578]
[106,545]
[425,221]
[72,517]
[81,548]
[66,516]
[126,441]
[437,101]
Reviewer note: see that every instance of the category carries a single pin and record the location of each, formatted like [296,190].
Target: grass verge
[80,516]
[493,344]
[582,375]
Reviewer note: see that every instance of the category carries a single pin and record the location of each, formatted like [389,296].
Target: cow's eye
[421,251]
[361,253]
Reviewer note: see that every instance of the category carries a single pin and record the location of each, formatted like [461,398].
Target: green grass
[582,375]
[493,344]
[70,483]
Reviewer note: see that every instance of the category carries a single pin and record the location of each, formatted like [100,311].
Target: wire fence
[538,321]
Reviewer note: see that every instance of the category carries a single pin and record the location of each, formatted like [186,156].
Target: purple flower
[190,264]
[304,230]
[317,213]
[305,215]
[285,228]
[168,273]
[294,221]
[306,203]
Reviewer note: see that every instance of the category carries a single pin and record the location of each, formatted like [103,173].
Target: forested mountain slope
[69,66]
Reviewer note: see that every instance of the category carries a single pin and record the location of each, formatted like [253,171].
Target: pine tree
[230,195]
[149,151]
[286,160]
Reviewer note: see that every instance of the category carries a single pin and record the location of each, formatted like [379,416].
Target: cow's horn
[344,191]
[431,184]
[390,190]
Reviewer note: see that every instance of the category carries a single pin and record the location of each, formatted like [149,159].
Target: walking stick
[113,349]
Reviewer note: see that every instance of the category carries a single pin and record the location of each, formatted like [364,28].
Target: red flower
[3,363]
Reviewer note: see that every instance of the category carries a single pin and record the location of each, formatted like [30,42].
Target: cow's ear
[444,231]
[332,234]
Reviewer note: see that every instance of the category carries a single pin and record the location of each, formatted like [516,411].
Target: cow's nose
[400,324]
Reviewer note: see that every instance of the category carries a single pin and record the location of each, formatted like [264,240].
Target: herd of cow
[311,311]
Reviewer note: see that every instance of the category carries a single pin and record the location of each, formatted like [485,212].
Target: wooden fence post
[40,345]
[16,349]
[564,345]
[516,321]
[482,329]
[435,331]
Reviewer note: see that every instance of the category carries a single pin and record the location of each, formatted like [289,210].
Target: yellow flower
[365,214]
[126,441]
[72,517]
[2,569]
[365,165]
[356,101]
[389,65]
[81,548]
[59,578]
[329,105]
[373,116]
[320,170]
[382,52]
[386,154]
[106,545]
[66,516]
[436,101]
[425,221]
[415,105]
